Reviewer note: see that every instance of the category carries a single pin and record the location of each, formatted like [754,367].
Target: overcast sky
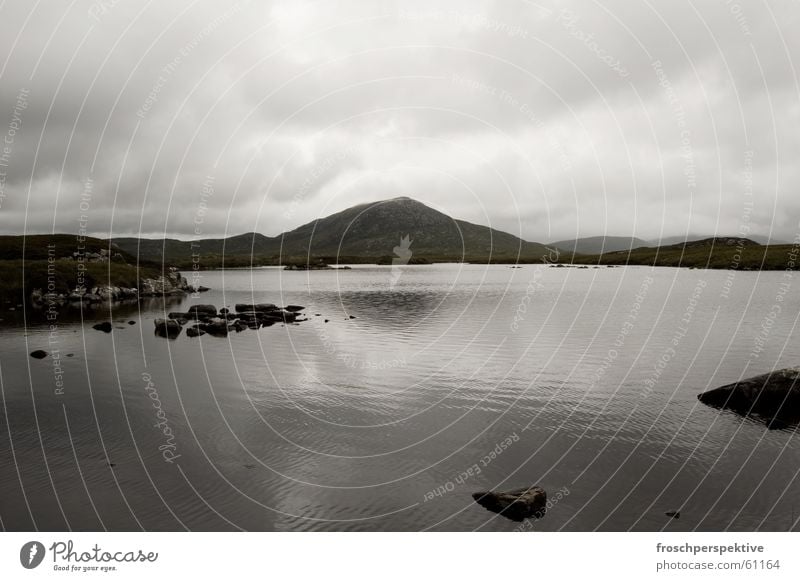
[547,120]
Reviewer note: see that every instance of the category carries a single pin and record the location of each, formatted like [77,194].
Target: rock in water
[261,308]
[216,327]
[208,310]
[194,332]
[38,354]
[517,504]
[293,308]
[774,395]
[167,328]
[673,514]
[105,327]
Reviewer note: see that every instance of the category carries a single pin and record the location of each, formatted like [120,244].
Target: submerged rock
[771,396]
[39,354]
[294,308]
[517,504]
[105,327]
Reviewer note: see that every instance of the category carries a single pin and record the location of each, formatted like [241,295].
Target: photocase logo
[31,554]
[403,252]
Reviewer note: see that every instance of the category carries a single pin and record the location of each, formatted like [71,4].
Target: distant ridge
[730,253]
[599,244]
[669,240]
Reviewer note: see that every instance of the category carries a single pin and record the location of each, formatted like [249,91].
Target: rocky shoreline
[170,284]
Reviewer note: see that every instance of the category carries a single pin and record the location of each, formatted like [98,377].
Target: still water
[450,379]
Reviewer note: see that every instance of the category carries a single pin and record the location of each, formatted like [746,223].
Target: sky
[549,120]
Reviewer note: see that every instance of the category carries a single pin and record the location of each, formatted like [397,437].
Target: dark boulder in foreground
[517,504]
[167,328]
[38,354]
[773,397]
[105,327]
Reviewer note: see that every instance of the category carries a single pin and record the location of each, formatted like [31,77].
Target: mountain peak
[373,230]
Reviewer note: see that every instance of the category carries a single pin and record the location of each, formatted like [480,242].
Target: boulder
[517,504]
[38,354]
[194,332]
[216,327]
[105,327]
[774,395]
[293,308]
[209,310]
[171,283]
[258,308]
[167,328]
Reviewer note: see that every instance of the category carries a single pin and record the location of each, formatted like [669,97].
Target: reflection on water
[392,419]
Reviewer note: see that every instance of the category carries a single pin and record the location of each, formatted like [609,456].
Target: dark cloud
[545,119]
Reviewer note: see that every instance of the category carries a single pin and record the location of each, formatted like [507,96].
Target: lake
[450,379]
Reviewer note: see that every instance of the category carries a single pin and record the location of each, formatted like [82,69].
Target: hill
[44,246]
[180,252]
[717,253]
[364,233]
[373,230]
[672,240]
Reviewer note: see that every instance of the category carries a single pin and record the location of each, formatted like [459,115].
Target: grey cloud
[547,119]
